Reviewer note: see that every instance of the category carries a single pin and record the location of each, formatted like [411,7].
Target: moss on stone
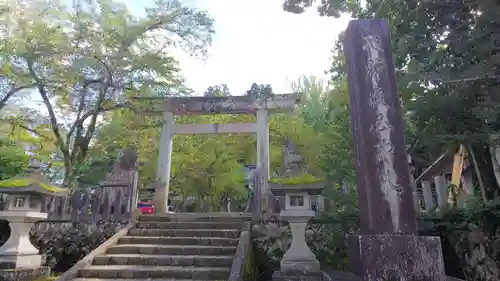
[301,179]
[13,183]
[47,278]
[249,267]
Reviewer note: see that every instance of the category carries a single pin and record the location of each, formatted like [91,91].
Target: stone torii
[260,106]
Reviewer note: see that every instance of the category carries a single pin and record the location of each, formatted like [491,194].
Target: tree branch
[32,131]
[81,105]
[10,93]
[99,110]
[81,143]
[53,120]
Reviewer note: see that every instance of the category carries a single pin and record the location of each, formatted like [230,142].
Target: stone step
[133,271]
[219,217]
[202,241]
[172,249]
[228,233]
[189,225]
[136,279]
[164,260]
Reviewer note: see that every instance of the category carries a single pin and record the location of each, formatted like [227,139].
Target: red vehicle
[146,207]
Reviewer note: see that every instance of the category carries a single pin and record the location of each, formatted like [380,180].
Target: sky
[256,41]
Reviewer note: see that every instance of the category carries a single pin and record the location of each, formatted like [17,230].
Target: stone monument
[388,247]
[297,186]
[19,259]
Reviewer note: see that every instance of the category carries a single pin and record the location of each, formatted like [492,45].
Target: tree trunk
[478,173]
[483,159]
[495,159]
[488,172]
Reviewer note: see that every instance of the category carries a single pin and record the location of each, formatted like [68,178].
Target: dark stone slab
[24,274]
[5,264]
[335,275]
[383,184]
[298,276]
[396,257]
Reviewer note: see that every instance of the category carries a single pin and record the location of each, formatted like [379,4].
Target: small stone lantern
[22,209]
[297,186]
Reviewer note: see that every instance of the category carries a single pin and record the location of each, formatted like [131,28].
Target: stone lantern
[297,186]
[19,259]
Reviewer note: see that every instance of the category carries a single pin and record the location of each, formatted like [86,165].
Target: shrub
[64,244]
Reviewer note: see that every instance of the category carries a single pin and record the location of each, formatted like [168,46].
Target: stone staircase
[171,247]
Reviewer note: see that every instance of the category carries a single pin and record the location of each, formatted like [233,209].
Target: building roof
[437,165]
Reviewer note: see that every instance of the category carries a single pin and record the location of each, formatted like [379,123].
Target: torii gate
[260,106]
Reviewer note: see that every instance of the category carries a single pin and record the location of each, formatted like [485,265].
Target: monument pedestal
[396,257]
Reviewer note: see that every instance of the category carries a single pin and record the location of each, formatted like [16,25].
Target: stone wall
[65,243]
[243,267]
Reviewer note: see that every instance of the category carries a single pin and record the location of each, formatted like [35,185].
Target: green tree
[338,157]
[260,90]
[13,159]
[221,90]
[95,57]
[23,129]
[448,72]
[314,100]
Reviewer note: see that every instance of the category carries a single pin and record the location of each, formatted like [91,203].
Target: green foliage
[271,240]
[463,232]
[95,168]
[92,58]
[301,179]
[249,267]
[326,235]
[47,278]
[205,166]
[337,155]
[447,71]
[260,90]
[65,246]
[314,100]
[13,160]
[221,90]
[330,229]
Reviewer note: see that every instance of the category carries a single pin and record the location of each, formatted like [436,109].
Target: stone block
[25,261]
[396,258]
[24,274]
[223,233]
[309,265]
[298,276]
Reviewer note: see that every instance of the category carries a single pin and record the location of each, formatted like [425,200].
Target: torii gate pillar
[261,107]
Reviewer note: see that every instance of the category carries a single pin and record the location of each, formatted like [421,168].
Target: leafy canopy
[92,58]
